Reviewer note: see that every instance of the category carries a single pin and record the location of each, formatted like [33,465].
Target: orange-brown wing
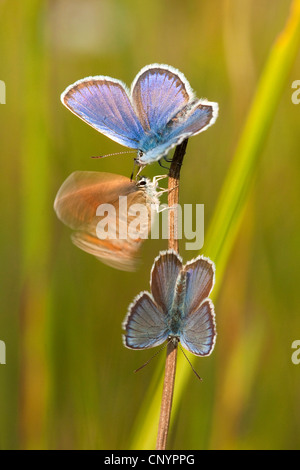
[83,191]
[76,205]
[119,254]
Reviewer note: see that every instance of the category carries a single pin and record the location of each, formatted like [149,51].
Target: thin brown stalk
[170,367]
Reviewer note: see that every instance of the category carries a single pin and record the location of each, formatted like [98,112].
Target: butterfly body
[156,114]
[175,317]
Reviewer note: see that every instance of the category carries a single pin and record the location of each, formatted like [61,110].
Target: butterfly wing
[164,275]
[198,331]
[76,206]
[118,254]
[103,103]
[200,278]
[191,120]
[144,324]
[83,191]
[159,92]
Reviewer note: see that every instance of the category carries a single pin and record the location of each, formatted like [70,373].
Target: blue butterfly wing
[145,324]
[159,92]
[198,333]
[164,275]
[103,103]
[190,121]
[200,278]
[193,119]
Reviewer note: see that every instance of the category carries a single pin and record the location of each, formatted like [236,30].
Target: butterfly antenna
[110,154]
[166,190]
[197,375]
[146,363]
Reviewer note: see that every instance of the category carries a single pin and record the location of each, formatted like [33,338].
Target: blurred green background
[68,382]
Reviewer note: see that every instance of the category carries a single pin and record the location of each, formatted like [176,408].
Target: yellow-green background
[68,382]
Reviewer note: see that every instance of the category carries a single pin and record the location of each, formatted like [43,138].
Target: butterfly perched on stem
[177,309]
[156,114]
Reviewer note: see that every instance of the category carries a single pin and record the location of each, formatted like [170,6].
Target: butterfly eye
[140,153]
[142,182]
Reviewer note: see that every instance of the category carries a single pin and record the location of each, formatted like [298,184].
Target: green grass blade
[236,189]
[35,210]
[234,195]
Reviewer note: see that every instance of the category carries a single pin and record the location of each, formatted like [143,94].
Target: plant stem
[170,367]
[173,195]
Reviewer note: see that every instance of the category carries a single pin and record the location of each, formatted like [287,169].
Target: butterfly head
[174,339]
[143,182]
[156,151]
[150,188]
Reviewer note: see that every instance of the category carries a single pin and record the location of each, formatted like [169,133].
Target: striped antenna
[146,363]
[196,373]
[110,154]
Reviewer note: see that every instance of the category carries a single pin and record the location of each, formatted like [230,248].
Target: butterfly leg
[158,178]
[134,165]
[165,208]
[141,167]
[160,164]
[163,190]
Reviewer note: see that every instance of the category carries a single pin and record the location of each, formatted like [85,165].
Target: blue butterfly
[178,308]
[158,113]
